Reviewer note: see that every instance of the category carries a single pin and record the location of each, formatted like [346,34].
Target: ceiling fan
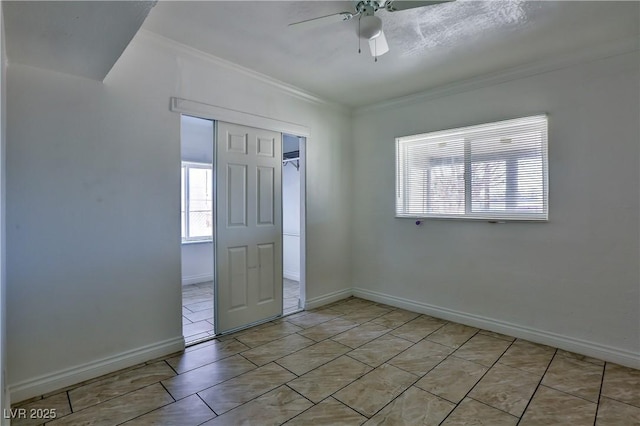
[369,25]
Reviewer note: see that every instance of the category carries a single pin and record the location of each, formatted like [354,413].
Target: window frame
[184,168]
[467,160]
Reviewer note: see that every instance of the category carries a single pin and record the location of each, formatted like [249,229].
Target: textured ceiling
[430,46]
[82,38]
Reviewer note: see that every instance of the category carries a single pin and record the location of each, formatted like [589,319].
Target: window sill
[188,243]
[477,219]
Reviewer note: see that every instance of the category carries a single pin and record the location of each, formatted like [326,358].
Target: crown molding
[148,36]
[618,47]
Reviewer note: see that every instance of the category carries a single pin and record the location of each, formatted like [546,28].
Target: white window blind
[495,171]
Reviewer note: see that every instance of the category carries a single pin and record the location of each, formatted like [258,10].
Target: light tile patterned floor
[290,296]
[197,308]
[356,362]
[197,311]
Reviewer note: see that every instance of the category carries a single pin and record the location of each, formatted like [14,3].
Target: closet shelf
[294,161]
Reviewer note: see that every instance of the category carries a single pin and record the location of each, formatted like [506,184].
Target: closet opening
[196,217]
[201,284]
[293,196]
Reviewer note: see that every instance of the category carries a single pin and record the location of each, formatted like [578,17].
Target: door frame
[302,162]
[302,145]
[218,113]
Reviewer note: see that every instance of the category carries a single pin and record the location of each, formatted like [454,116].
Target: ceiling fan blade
[322,20]
[396,5]
[378,45]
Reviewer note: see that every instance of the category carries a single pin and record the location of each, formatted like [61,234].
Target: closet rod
[291,160]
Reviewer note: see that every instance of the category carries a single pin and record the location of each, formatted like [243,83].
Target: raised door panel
[265,196]
[237,264]
[266,273]
[236,195]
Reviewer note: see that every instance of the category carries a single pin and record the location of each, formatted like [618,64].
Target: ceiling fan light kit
[378,46]
[369,25]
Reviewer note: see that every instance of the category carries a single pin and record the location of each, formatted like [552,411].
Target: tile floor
[356,362]
[197,311]
[290,296]
[197,308]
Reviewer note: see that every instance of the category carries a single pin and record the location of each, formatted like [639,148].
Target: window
[495,171]
[197,202]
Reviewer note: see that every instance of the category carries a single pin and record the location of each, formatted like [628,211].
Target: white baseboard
[291,275]
[70,376]
[592,349]
[316,302]
[197,279]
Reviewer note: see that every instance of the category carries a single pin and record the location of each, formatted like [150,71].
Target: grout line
[250,400]
[538,386]
[480,379]
[455,404]
[321,365]
[223,381]
[174,370]
[205,403]
[568,393]
[208,363]
[285,368]
[314,404]
[94,406]
[354,380]
[491,406]
[167,391]
[293,390]
[248,360]
[604,371]
[69,399]
[155,409]
[621,402]
[395,335]
[397,396]
[126,393]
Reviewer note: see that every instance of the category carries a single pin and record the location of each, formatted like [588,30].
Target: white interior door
[248,235]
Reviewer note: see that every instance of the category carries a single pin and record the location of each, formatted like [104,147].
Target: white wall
[196,144]
[4,395]
[93,207]
[573,279]
[291,222]
[197,263]
[196,139]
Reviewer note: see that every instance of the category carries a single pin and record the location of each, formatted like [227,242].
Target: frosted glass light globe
[370,27]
